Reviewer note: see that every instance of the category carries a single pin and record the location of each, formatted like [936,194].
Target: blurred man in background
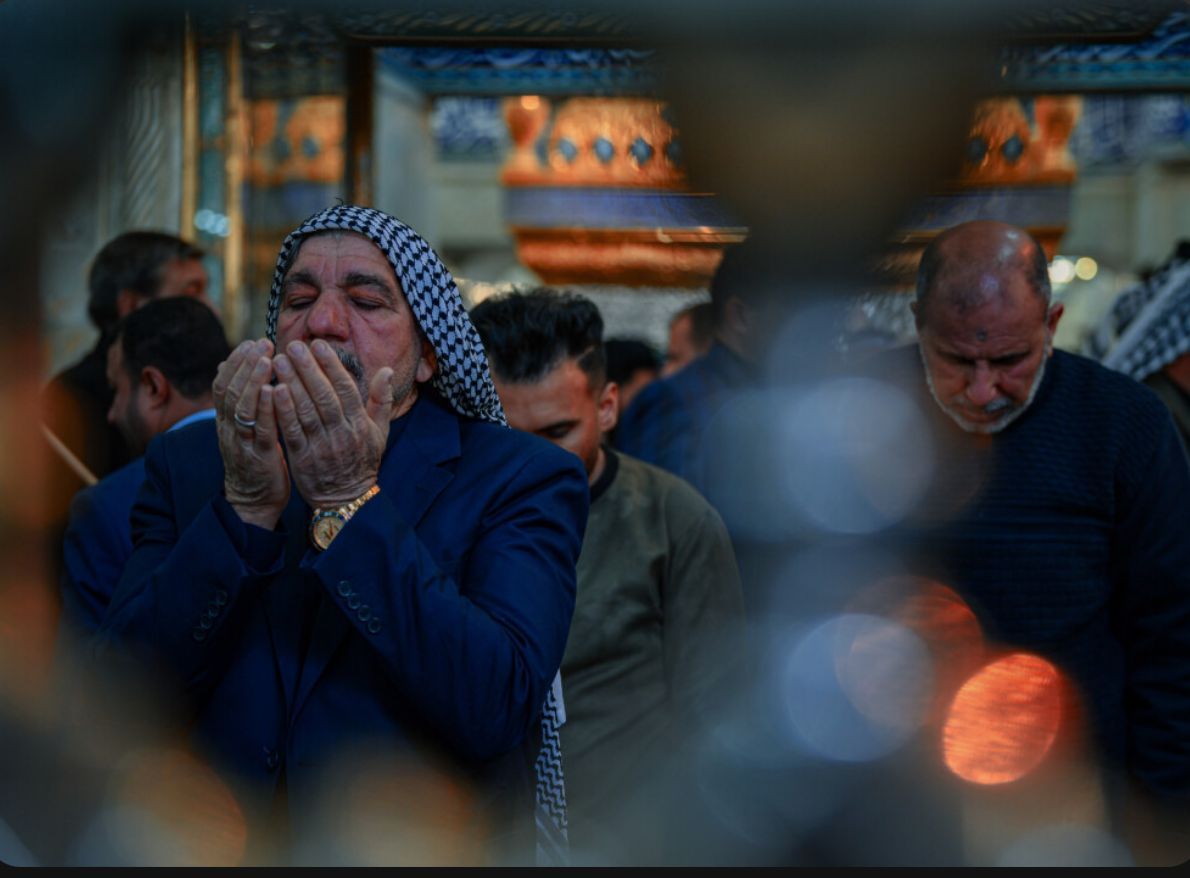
[1146,335]
[131,270]
[658,591]
[161,363]
[632,365]
[666,423]
[691,334]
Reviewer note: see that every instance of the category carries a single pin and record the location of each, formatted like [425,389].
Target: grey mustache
[351,363]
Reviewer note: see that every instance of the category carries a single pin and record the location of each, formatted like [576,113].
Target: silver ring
[247,425]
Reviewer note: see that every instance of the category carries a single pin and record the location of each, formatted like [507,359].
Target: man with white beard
[1060,506]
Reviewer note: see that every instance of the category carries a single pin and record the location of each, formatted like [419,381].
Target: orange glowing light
[530,102]
[1003,720]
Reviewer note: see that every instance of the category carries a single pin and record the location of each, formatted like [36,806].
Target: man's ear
[155,387]
[128,301]
[428,364]
[608,411]
[737,315]
[1055,314]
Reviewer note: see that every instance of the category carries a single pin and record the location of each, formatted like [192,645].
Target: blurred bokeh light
[943,621]
[165,808]
[1003,720]
[856,687]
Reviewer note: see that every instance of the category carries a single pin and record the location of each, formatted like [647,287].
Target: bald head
[985,326]
[972,264]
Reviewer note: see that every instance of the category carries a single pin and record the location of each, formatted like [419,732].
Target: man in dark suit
[160,366]
[667,422]
[393,587]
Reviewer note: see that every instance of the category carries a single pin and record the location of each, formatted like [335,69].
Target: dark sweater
[1075,544]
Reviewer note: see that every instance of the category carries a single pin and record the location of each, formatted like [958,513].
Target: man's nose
[327,317]
[982,388]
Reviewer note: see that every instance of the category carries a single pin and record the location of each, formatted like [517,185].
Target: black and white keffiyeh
[1149,325]
[464,381]
[462,378]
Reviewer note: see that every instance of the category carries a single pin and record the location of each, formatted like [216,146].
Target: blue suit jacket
[666,421]
[433,625]
[98,542]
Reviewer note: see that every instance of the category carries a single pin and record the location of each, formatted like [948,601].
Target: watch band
[326,522]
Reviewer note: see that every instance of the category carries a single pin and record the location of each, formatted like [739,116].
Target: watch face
[325,526]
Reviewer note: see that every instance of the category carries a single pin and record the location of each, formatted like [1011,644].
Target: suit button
[200,635]
[220,599]
[374,626]
[204,623]
[354,602]
[364,613]
[271,758]
[344,588]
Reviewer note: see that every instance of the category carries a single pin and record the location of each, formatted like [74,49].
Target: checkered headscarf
[462,377]
[464,381]
[1149,326]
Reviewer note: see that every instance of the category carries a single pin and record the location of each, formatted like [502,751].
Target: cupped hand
[334,439]
[255,476]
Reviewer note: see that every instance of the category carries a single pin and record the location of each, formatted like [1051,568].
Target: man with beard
[160,365]
[361,578]
[1060,508]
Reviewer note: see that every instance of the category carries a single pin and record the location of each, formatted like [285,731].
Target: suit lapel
[414,471]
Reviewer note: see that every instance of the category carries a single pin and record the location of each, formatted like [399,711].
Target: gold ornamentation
[624,142]
[656,257]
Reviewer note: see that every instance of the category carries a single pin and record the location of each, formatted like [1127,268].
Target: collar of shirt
[204,415]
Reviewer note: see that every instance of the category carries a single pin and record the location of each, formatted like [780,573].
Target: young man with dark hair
[658,589]
[160,366]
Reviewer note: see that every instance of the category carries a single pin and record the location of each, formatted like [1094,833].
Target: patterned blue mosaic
[1158,61]
[523,70]
[1127,129]
[469,128]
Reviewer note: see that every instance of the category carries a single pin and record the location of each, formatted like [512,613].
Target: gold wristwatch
[326,523]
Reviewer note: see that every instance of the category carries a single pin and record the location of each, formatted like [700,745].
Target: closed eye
[296,302]
[1009,360]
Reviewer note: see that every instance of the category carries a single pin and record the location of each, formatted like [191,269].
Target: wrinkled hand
[335,440]
[255,477]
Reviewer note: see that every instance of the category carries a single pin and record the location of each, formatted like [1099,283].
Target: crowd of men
[394,528]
